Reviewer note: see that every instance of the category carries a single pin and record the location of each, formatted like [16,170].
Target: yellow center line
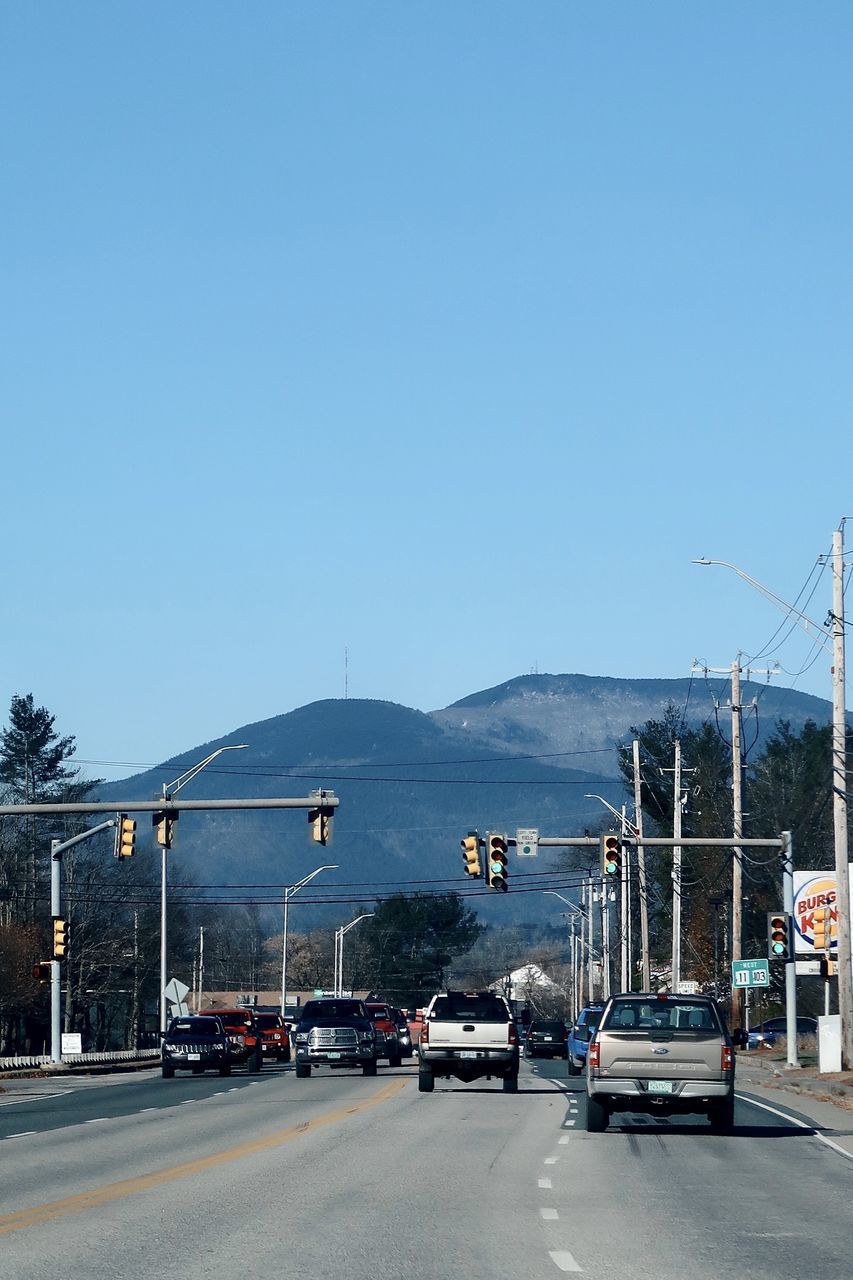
[131,1186]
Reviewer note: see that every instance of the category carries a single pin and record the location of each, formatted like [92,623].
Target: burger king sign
[813,891]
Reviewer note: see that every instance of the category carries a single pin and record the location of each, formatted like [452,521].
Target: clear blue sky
[447,333]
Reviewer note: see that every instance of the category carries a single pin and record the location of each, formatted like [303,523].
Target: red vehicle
[387,1043]
[244,1036]
[275,1040]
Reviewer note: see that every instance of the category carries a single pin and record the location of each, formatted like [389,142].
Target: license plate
[333,1055]
[660,1086]
[194,1057]
[549,1037]
[467,1053]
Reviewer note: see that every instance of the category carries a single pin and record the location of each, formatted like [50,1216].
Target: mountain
[412,784]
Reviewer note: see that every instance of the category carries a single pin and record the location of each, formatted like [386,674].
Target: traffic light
[125,845]
[820,930]
[320,822]
[778,935]
[61,934]
[43,970]
[164,821]
[497,863]
[611,854]
[471,854]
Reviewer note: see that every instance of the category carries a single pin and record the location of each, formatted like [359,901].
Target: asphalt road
[342,1175]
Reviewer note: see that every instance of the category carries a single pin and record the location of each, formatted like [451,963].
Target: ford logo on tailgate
[660,1050]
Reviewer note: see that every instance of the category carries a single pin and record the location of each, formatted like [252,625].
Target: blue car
[766,1036]
[581,1033]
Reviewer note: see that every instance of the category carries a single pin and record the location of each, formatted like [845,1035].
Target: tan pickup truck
[468,1035]
[661,1055]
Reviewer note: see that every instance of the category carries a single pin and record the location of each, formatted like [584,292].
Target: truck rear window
[662,1015]
[462,1008]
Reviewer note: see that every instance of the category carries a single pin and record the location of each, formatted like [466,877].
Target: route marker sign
[750,973]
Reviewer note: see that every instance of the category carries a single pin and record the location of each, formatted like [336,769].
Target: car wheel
[395,1060]
[168,1072]
[303,1070]
[573,1070]
[254,1063]
[369,1068]
[426,1080]
[722,1116]
[511,1084]
[284,1057]
[597,1115]
[225,1070]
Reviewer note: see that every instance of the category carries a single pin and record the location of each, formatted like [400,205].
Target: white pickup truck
[468,1035]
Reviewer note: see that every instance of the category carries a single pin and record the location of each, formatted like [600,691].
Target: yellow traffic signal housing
[471,854]
[61,933]
[821,929]
[320,823]
[164,821]
[778,935]
[497,862]
[611,854]
[125,845]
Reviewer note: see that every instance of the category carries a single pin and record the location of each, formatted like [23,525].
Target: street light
[288,894]
[574,946]
[339,950]
[839,774]
[168,792]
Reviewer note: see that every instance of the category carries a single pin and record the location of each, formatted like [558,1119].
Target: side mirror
[582,1033]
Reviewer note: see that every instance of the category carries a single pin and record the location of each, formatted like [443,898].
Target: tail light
[726,1060]
[512,1034]
[593,1055]
[425,1033]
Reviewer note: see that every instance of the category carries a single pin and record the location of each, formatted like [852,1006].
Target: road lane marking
[549,1215]
[28,1133]
[546,1184]
[54,1209]
[753,1102]
[35,1097]
[552,1159]
[562,1141]
[148,1109]
[96,1120]
[564,1260]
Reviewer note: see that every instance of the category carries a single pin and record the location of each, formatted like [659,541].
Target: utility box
[829,1043]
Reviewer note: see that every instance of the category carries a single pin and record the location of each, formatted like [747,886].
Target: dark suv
[546,1040]
[195,1044]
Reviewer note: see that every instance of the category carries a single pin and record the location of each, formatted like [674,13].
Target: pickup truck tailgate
[468,1035]
[663,1055]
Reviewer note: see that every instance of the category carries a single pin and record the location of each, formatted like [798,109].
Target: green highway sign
[750,973]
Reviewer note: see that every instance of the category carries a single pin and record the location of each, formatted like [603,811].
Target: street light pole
[288,893]
[574,957]
[345,928]
[168,792]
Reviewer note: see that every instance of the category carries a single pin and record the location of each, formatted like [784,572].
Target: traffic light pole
[790,967]
[57,848]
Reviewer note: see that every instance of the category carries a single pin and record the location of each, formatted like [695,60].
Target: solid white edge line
[36,1097]
[564,1260]
[27,1134]
[765,1106]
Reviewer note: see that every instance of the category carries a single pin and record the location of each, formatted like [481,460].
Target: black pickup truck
[335,1033]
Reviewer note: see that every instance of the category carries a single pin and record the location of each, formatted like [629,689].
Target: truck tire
[369,1068]
[395,1060]
[722,1115]
[426,1079]
[573,1070]
[168,1072]
[303,1070]
[597,1115]
[225,1070]
[511,1083]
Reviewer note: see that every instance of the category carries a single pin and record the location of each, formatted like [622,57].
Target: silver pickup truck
[662,1055]
[468,1035]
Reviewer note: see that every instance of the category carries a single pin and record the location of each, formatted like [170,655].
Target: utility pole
[676,871]
[737,832]
[641,870]
[624,928]
[839,802]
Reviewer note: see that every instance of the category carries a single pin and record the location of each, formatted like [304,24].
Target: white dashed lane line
[562,1141]
[549,1215]
[564,1260]
[546,1184]
[552,1159]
